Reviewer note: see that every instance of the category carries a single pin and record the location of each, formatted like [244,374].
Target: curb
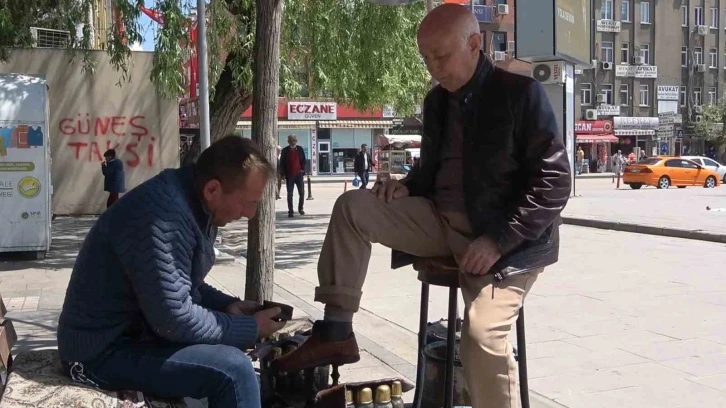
[698,235]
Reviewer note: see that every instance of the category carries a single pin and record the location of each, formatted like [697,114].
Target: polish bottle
[383,397]
[365,398]
[397,395]
[349,399]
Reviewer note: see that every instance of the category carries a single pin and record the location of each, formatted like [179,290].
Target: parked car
[711,164]
[663,172]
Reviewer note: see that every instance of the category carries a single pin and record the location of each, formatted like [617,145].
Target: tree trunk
[261,242]
[229,102]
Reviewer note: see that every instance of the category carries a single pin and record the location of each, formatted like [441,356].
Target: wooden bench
[35,379]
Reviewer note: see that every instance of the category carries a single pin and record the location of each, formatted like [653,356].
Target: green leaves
[356,52]
[711,126]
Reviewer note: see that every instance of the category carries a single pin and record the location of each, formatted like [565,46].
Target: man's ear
[474,42]
[212,189]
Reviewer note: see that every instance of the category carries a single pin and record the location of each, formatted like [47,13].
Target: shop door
[324,156]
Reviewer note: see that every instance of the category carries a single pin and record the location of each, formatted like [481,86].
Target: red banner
[595,127]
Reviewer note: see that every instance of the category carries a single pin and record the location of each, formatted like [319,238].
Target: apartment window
[697,101]
[712,95]
[625,11]
[714,17]
[684,16]
[606,10]
[682,96]
[645,12]
[698,56]
[699,15]
[712,58]
[625,53]
[644,97]
[498,2]
[624,94]
[645,53]
[684,56]
[606,51]
[607,90]
[586,94]
[499,41]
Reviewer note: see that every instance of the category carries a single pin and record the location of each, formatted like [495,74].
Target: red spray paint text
[128,135]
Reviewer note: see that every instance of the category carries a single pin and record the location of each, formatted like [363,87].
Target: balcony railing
[484,14]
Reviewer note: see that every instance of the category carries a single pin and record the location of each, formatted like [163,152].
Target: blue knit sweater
[140,273]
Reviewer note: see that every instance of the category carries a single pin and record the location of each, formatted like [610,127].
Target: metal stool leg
[450,349]
[522,360]
[422,332]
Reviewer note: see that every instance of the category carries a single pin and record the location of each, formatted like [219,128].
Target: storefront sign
[668,93]
[312,111]
[608,110]
[608,26]
[636,71]
[583,127]
[630,122]
[389,112]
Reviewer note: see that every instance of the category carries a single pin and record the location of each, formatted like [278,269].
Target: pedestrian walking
[580,159]
[363,165]
[618,163]
[292,162]
[113,173]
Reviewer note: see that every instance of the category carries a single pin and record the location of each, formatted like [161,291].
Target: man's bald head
[449,42]
[449,19]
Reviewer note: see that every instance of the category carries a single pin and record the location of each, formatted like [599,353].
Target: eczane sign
[312,111]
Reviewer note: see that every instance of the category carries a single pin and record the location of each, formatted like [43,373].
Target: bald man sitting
[489,188]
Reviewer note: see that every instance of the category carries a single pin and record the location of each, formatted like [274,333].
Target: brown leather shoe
[315,352]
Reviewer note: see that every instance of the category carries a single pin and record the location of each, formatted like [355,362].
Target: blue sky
[148,27]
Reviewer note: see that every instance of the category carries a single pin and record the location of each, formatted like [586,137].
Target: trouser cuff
[338,296]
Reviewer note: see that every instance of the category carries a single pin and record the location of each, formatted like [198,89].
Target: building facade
[496,22]
[657,63]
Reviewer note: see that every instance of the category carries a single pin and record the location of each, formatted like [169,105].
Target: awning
[596,138]
[281,124]
[358,124]
[634,132]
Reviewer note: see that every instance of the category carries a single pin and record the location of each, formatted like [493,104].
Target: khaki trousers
[413,225]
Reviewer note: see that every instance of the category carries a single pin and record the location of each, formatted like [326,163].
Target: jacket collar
[483,70]
[192,192]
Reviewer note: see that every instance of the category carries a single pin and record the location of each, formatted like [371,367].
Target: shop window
[499,41]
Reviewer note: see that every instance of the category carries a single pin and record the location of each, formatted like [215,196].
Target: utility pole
[202,61]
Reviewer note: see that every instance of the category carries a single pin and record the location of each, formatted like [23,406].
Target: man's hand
[390,190]
[480,256]
[244,307]
[265,325]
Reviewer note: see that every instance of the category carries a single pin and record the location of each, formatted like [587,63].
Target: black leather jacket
[516,168]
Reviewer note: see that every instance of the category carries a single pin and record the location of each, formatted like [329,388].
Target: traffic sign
[664,148]
[679,133]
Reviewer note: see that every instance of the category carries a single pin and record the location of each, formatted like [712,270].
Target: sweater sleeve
[214,299]
[154,245]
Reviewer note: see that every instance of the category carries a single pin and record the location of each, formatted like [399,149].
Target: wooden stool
[444,271]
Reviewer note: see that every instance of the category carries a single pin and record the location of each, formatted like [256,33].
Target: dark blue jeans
[363,179]
[222,374]
[291,183]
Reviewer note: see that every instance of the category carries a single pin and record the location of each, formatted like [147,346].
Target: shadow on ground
[67,237]
[36,330]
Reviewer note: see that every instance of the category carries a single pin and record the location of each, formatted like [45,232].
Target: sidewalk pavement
[678,213]
[341,178]
[623,319]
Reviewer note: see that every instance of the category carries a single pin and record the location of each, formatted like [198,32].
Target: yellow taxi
[664,172]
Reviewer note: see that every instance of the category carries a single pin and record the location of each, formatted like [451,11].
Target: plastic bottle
[397,395]
[383,397]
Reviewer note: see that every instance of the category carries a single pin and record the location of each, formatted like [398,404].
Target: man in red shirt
[292,166]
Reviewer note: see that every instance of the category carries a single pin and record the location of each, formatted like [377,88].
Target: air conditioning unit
[47,38]
[639,60]
[702,30]
[578,71]
[500,55]
[510,46]
[699,118]
[591,114]
[602,98]
[549,72]
[502,9]
[701,67]
[698,109]
[607,66]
